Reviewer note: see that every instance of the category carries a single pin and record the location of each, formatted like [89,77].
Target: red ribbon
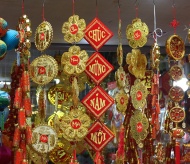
[177,153]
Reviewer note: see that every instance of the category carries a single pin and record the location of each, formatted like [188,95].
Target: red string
[96,8]
[43,18]
[136,8]
[73,7]
[22,6]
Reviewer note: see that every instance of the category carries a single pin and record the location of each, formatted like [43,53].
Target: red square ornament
[97,67]
[98,136]
[97,101]
[97,34]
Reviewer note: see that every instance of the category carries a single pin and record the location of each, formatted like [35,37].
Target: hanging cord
[137,8]
[43,17]
[96,8]
[119,18]
[22,7]
[73,7]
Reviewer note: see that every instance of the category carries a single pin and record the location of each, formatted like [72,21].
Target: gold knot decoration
[74,60]
[75,125]
[137,63]
[137,33]
[73,30]
[138,94]
[139,125]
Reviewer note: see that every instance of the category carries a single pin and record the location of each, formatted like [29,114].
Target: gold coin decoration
[138,94]
[58,154]
[177,114]
[43,69]
[175,47]
[121,101]
[137,33]
[137,63]
[43,36]
[120,77]
[74,61]
[44,138]
[176,93]
[176,72]
[139,125]
[73,30]
[75,125]
[62,95]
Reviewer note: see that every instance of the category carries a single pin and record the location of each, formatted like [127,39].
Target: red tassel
[98,158]
[27,106]
[120,155]
[18,156]
[74,158]
[16,138]
[25,81]
[154,98]
[28,135]
[177,153]
[18,98]
[22,119]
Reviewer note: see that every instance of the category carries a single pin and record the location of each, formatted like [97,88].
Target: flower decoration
[74,60]
[73,30]
[139,125]
[137,33]
[138,94]
[75,125]
[120,77]
[121,101]
[137,63]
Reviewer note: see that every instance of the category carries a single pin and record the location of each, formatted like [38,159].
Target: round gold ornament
[75,125]
[138,94]
[177,114]
[43,36]
[73,30]
[62,95]
[175,47]
[44,138]
[58,154]
[74,60]
[176,72]
[121,99]
[43,69]
[137,33]
[176,93]
[139,125]
[120,77]
[137,63]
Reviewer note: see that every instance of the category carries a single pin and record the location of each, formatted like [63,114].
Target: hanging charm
[121,99]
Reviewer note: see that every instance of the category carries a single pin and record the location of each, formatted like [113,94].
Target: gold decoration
[137,33]
[67,106]
[43,69]
[43,36]
[58,154]
[138,94]
[62,95]
[176,93]
[177,114]
[74,60]
[120,77]
[75,125]
[176,72]
[139,125]
[73,30]
[137,63]
[160,152]
[121,99]
[44,138]
[120,54]
[175,47]
[155,55]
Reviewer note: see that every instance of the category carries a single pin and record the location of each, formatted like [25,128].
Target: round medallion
[175,47]
[176,72]
[43,36]
[44,138]
[43,69]
[176,94]
[121,99]
[177,114]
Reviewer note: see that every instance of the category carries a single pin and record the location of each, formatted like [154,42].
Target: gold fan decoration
[73,30]
[74,60]
[138,94]
[75,125]
[121,99]
[139,125]
[137,33]
[137,63]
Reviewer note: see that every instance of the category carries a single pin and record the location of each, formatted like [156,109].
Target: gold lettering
[93,137]
[98,137]
[97,68]
[97,103]
[97,34]
[61,153]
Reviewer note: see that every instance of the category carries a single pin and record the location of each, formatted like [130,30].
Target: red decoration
[18,98]
[97,67]
[174,23]
[18,156]
[98,136]
[25,81]
[97,34]
[27,106]
[97,101]
[16,139]
[22,118]
[28,135]
[120,154]
[99,159]
[177,153]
